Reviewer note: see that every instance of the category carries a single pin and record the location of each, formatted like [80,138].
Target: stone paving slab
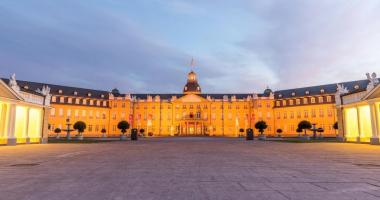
[190,168]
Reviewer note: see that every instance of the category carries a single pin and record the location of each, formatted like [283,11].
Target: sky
[146,46]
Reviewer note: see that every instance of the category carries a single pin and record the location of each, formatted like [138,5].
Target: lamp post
[68,130]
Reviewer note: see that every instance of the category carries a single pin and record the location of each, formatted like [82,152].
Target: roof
[192,87]
[54,89]
[352,86]
[178,95]
[298,92]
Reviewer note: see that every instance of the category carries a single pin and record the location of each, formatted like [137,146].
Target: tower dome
[192,86]
[267,91]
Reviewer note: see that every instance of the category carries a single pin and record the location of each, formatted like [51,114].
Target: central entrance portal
[192,128]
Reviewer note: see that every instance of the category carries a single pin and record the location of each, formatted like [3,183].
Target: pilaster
[11,125]
[374,123]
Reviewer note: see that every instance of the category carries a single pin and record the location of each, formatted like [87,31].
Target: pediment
[191,98]
[7,92]
[375,93]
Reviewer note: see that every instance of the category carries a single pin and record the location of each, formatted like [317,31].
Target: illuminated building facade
[23,114]
[193,113]
[359,111]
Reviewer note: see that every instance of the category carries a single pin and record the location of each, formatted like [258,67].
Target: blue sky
[147,45]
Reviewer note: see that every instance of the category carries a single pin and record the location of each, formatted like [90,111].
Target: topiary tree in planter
[57,131]
[123,126]
[279,131]
[80,126]
[261,126]
[103,131]
[336,127]
[304,125]
[142,131]
[241,132]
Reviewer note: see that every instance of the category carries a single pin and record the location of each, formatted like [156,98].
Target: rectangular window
[298,101]
[52,112]
[321,113]
[320,99]
[328,98]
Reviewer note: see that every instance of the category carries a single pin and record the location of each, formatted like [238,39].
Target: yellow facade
[191,113]
[322,115]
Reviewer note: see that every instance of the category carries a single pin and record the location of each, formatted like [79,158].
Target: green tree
[261,126]
[123,126]
[279,131]
[103,130]
[80,126]
[336,126]
[304,125]
[57,131]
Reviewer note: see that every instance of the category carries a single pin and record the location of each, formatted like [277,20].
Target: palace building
[23,114]
[193,113]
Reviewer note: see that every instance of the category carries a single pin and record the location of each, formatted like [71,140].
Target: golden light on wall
[365,123]
[351,124]
[35,121]
[20,123]
[4,113]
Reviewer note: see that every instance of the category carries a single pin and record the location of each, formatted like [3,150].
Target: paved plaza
[190,168]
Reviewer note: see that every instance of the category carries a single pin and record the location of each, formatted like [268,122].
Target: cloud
[316,42]
[146,46]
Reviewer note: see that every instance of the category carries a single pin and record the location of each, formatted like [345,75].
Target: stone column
[27,138]
[374,123]
[45,125]
[12,140]
[358,121]
[340,120]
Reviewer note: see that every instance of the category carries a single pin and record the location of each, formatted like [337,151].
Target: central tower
[192,86]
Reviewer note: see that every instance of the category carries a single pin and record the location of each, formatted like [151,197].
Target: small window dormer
[307,92]
[60,91]
[26,87]
[322,91]
[280,95]
[89,94]
[75,93]
[356,87]
[293,94]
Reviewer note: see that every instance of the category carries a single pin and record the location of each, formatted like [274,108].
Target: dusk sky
[147,45]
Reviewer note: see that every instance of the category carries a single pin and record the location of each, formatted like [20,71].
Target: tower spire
[192,64]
